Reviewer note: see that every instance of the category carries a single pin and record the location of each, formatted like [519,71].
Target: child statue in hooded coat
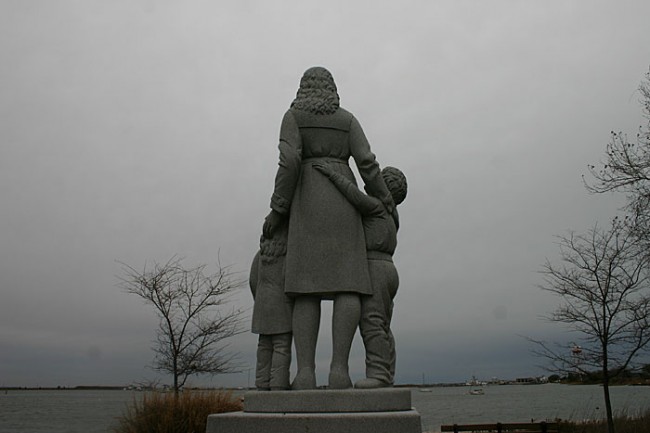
[272,313]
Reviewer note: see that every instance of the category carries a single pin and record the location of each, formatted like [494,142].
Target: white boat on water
[475,382]
[477,391]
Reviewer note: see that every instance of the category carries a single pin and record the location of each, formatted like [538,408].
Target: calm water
[95,411]
[68,411]
[521,403]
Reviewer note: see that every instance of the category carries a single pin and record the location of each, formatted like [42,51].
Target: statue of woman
[326,254]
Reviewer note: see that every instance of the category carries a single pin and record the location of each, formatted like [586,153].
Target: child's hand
[271,223]
[323,167]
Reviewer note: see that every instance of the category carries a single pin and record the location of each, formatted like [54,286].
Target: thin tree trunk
[608,408]
[608,401]
[175,365]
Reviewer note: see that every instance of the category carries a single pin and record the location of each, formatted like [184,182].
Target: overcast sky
[132,131]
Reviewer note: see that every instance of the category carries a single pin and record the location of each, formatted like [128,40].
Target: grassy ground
[624,423]
[164,413]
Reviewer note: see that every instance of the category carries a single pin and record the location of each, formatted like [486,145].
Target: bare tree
[626,169]
[602,281]
[193,319]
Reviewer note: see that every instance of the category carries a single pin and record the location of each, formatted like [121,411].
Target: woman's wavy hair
[317,93]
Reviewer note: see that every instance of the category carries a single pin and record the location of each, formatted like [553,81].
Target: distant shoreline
[100,388]
[61,388]
[413,386]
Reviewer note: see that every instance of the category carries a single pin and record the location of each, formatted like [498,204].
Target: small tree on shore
[193,319]
[602,282]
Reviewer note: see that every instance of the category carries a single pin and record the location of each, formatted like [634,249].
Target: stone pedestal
[386,410]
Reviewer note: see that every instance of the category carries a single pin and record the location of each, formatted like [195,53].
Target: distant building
[531,380]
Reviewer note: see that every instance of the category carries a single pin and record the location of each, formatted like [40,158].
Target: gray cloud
[136,130]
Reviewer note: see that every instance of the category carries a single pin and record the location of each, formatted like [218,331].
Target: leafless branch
[193,324]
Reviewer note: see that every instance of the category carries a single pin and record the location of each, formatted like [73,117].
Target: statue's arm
[365,204]
[368,166]
[289,163]
[287,175]
[252,279]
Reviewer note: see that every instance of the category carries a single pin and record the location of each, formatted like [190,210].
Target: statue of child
[272,313]
[380,229]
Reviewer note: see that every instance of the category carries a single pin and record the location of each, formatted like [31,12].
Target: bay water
[95,411]
[524,403]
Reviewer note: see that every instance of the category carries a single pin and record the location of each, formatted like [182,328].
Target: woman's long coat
[326,252]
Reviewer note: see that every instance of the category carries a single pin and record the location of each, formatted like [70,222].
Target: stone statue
[380,228]
[326,248]
[271,313]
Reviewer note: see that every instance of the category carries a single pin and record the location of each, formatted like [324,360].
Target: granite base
[386,410]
